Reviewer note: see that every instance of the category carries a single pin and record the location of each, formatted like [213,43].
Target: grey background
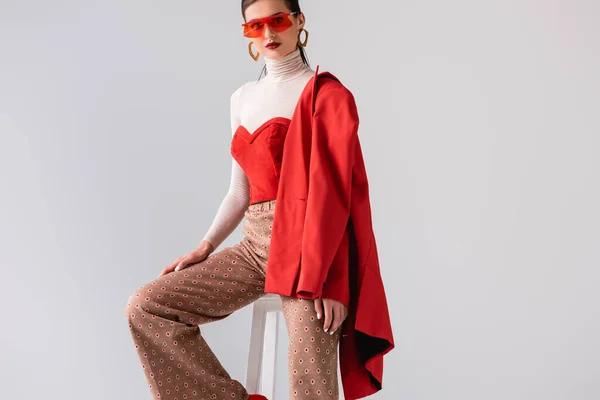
[479,126]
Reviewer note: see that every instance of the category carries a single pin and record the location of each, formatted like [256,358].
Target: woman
[204,286]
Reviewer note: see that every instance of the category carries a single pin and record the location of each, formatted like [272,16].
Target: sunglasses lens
[254,30]
[277,23]
[280,23]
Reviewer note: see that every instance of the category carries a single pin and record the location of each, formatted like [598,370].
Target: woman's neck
[285,68]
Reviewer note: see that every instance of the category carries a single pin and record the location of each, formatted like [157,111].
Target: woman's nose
[268,32]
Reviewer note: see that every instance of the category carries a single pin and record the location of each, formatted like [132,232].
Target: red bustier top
[259,154]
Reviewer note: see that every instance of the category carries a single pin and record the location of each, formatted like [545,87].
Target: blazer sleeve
[334,134]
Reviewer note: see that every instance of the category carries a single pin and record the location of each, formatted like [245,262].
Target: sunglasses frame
[265,21]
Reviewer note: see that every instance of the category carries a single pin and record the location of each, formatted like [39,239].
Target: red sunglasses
[277,23]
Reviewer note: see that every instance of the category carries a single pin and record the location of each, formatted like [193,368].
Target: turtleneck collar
[285,68]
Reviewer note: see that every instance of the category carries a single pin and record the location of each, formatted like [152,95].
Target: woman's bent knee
[142,299]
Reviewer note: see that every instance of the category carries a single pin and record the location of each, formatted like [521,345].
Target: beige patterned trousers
[165,318]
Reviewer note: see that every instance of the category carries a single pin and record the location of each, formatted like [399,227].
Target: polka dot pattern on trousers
[165,317]
[312,352]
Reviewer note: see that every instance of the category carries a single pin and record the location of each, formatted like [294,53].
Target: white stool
[262,355]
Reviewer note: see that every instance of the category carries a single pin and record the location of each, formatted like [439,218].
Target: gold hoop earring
[254,57]
[303,44]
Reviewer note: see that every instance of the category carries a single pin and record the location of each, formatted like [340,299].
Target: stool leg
[269,362]
[255,352]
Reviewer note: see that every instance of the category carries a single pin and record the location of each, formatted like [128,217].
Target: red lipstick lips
[272,45]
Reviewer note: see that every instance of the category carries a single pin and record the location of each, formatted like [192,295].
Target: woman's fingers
[183,262]
[175,263]
[338,317]
[319,308]
[328,314]
[335,314]
[196,256]
[166,270]
[171,267]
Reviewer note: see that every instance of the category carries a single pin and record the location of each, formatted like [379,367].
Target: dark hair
[294,6]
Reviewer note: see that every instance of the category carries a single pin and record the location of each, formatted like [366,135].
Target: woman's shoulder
[243,87]
[238,92]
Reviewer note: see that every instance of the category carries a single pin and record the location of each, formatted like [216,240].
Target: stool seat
[262,355]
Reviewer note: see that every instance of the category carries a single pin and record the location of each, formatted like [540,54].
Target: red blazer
[322,240]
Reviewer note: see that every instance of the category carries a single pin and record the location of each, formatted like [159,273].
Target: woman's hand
[335,313]
[197,255]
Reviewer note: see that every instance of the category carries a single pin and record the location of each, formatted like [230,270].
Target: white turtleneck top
[252,104]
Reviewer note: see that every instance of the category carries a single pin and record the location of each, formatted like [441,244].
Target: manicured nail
[318,315]
[325,329]
[177,268]
[331,333]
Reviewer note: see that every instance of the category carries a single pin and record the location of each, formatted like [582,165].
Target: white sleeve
[236,201]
